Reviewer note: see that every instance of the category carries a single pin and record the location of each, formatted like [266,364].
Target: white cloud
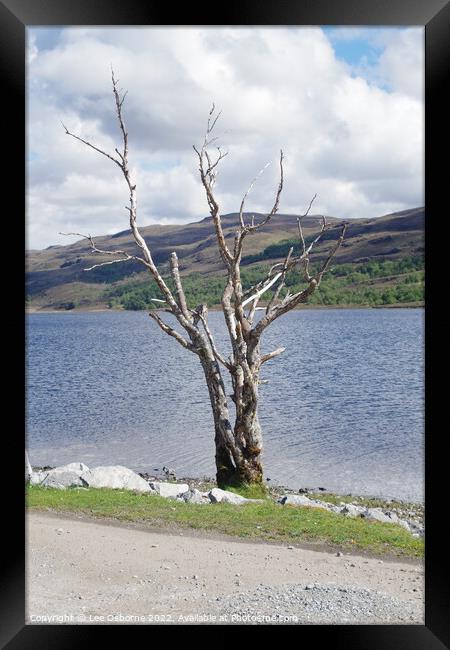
[401,65]
[356,140]
[32,50]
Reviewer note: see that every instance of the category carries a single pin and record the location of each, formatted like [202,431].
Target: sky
[345,104]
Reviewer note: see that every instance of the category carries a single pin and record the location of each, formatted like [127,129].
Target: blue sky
[345,104]
[354,50]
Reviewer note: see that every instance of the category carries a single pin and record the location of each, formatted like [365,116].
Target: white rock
[352,511]
[62,479]
[300,500]
[115,477]
[36,478]
[331,507]
[169,490]
[377,515]
[216,495]
[195,496]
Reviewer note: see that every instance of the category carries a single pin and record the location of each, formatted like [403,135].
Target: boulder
[115,477]
[331,507]
[194,496]
[216,495]
[36,478]
[300,500]
[378,515]
[62,479]
[350,510]
[169,490]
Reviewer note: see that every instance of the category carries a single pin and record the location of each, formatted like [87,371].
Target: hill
[384,251]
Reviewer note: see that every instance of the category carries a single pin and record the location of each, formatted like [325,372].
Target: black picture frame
[434,15]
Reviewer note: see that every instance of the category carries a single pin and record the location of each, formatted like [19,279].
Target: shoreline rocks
[78,475]
[115,476]
[300,500]
[168,490]
[354,511]
[216,495]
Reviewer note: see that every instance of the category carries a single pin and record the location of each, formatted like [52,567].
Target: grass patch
[267,521]
[254,491]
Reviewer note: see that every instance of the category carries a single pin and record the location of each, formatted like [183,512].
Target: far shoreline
[217,308]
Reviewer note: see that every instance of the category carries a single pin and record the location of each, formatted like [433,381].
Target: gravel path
[86,571]
[318,603]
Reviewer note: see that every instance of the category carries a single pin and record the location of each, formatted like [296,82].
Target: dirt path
[80,569]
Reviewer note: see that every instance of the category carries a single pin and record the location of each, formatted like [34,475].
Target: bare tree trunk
[248,432]
[227,454]
[238,452]
[247,429]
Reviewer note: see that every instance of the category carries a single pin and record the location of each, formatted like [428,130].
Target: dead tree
[238,447]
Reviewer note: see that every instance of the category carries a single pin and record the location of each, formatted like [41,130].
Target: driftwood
[238,446]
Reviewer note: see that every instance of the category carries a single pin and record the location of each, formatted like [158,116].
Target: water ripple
[350,417]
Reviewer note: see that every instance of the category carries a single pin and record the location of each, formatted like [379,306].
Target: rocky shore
[204,491]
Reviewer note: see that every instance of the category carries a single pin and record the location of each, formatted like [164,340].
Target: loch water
[343,407]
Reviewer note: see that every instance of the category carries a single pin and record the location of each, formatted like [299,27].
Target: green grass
[264,521]
[255,491]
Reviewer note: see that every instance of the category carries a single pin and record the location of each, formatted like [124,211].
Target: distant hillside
[56,279]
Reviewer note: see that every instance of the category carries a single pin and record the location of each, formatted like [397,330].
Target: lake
[343,409]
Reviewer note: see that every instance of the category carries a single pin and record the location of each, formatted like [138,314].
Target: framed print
[148,192]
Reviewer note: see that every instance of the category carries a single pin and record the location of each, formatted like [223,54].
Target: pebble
[327,604]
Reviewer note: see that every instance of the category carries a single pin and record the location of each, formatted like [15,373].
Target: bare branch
[245,229]
[265,288]
[277,200]
[92,243]
[220,157]
[282,281]
[241,210]
[316,239]
[169,330]
[272,355]
[203,317]
[332,252]
[95,266]
[132,209]
[289,302]
[181,298]
[208,177]
[103,252]
[261,283]
[88,144]
[119,102]
[286,305]
[299,224]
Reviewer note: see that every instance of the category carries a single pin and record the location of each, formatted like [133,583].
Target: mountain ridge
[52,271]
